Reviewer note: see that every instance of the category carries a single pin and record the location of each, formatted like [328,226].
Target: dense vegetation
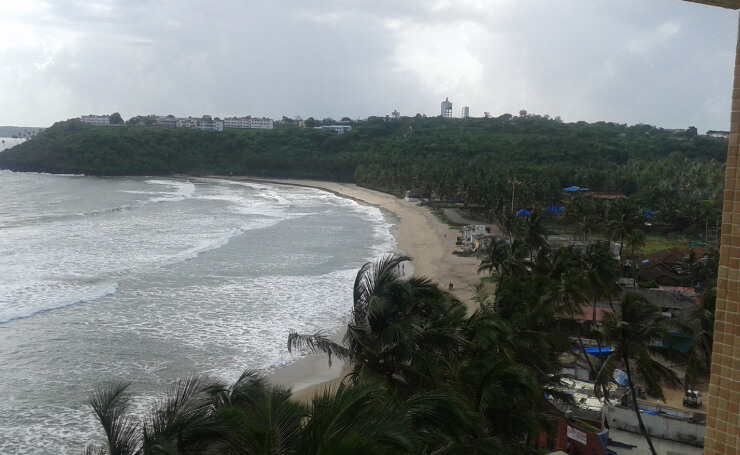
[409,149]
[477,162]
[426,376]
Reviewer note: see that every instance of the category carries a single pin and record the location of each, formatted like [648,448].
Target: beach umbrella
[524,212]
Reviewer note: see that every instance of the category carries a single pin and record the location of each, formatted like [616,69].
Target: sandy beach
[422,236]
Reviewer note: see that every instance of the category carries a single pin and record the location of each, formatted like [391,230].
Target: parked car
[692,398]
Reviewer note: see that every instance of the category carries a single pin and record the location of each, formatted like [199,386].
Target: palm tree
[111,406]
[530,307]
[494,256]
[600,269]
[395,321]
[515,263]
[185,421]
[635,239]
[580,212]
[690,261]
[505,394]
[633,332]
[535,232]
[699,355]
[483,294]
[511,225]
[263,419]
[622,217]
[566,267]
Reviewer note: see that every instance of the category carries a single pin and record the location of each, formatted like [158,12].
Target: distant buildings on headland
[206,123]
[339,129]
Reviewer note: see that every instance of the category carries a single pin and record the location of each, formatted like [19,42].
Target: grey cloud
[663,62]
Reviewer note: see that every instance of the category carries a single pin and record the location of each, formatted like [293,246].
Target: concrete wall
[723,403]
[661,426]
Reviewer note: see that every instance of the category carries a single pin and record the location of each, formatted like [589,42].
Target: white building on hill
[339,129]
[248,123]
[96,119]
[168,121]
[205,123]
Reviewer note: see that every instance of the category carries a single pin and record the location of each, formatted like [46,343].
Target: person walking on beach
[450,287]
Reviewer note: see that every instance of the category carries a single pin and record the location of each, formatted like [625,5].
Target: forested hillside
[475,161]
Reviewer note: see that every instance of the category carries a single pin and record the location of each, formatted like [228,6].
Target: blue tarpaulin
[599,352]
[524,212]
[572,189]
[554,209]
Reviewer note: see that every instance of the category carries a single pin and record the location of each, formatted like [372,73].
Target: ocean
[148,280]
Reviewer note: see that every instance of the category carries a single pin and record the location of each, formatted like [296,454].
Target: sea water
[148,280]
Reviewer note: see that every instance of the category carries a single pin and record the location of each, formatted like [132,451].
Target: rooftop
[732,4]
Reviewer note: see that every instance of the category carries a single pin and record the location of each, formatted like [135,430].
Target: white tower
[466,112]
[446,108]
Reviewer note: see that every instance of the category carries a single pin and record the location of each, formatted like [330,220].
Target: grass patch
[654,242]
[444,220]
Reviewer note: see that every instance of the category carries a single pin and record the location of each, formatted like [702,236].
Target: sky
[667,63]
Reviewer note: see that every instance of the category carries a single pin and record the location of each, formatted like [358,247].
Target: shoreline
[429,243]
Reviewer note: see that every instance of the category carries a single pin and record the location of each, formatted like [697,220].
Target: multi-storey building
[339,129]
[168,121]
[96,119]
[208,124]
[723,405]
[446,108]
[248,123]
[204,123]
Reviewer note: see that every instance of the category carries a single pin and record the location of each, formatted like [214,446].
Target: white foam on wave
[27,299]
[67,433]
[183,190]
[203,318]
[307,198]
[384,239]
[208,245]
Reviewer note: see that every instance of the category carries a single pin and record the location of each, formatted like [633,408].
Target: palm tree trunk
[593,315]
[634,406]
[585,355]
[621,244]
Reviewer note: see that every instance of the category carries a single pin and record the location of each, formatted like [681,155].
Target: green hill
[470,160]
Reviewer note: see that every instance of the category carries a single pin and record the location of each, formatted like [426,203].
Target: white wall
[661,426]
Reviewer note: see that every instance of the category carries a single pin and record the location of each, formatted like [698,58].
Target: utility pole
[514,183]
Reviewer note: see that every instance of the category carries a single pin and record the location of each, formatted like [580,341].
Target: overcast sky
[663,62]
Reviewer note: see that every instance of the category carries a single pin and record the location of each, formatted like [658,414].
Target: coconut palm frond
[111,405]
[318,342]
